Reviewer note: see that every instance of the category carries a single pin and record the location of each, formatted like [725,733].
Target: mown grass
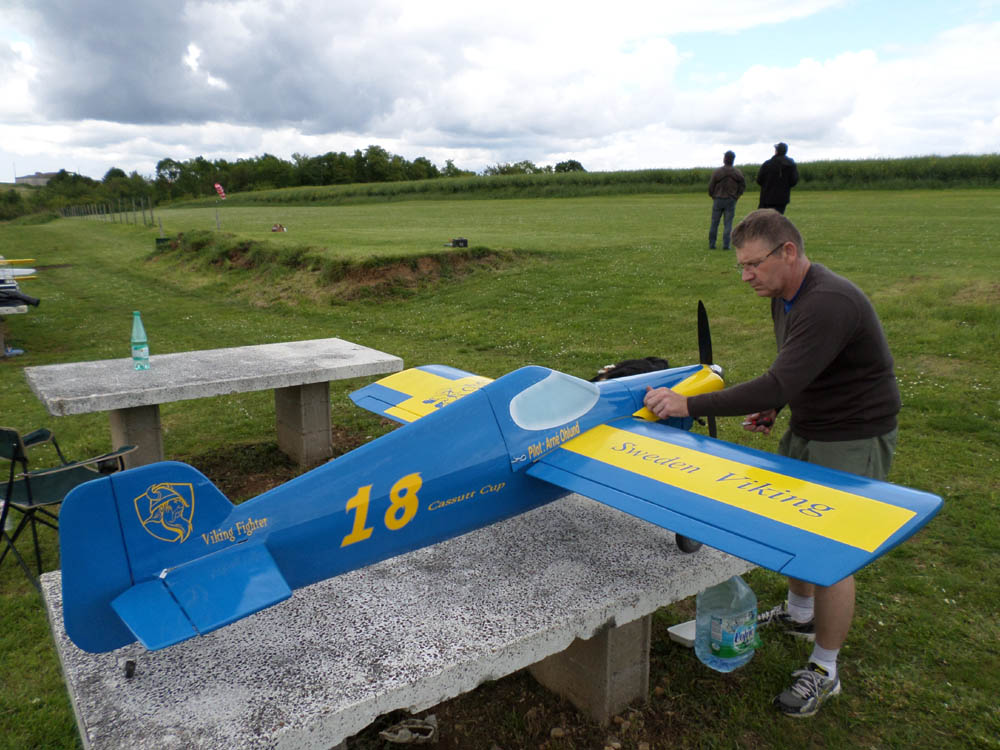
[587,281]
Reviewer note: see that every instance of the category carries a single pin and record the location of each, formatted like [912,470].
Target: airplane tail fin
[129,543]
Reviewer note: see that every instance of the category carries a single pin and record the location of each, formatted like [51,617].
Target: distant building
[38,179]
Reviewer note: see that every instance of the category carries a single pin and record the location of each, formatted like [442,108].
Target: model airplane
[158,554]
[17,273]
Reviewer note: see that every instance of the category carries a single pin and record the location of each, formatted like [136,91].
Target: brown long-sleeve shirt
[727,182]
[833,368]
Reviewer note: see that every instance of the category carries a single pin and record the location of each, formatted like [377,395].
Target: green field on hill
[572,283]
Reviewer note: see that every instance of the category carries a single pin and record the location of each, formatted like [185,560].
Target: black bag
[630,367]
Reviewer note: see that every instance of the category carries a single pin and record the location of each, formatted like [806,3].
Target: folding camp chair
[35,493]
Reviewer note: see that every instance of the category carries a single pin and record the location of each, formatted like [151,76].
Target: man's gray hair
[768,225]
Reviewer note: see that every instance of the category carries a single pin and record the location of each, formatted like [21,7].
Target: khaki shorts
[869,457]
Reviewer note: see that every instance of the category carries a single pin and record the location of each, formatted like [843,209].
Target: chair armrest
[36,437]
[40,437]
[98,464]
[49,486]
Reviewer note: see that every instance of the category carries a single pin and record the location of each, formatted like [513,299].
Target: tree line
[338,177]
[197,177]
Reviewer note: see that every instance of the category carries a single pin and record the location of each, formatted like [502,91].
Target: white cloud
[109,85]
[191,60]
[17,77]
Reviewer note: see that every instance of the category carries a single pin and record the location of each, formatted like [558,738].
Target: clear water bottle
[726,625]
[140,346]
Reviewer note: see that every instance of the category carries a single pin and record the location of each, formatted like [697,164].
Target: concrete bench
[299,372]
[566,589]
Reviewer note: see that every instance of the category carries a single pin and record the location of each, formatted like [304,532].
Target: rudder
[124,529]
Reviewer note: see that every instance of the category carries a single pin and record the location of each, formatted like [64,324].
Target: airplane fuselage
[428,481]
[163,538]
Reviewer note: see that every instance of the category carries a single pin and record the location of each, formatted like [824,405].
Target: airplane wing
[802,520]
[414,393]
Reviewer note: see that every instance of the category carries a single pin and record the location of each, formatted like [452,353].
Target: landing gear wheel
[686,544]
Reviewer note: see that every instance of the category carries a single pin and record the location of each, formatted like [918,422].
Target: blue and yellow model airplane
[158,554]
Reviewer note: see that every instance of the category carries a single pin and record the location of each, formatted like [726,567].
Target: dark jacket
[776,177]
[727,182]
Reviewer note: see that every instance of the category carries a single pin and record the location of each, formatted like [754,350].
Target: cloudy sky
[628,84]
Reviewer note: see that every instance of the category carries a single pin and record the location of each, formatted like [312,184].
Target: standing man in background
[835,373]
[725,187]
[776,177]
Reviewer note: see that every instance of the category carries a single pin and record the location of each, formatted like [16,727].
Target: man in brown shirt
[725,187]
[835,372]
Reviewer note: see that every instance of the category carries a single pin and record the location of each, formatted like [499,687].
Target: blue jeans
[722,207]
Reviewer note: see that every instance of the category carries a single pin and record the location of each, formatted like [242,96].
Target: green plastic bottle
[140,346]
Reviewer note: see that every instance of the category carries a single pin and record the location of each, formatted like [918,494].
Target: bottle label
[140,352]
[734,635]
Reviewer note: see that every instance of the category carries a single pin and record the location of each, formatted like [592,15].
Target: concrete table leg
[302,414]
[138,426]
[601,675]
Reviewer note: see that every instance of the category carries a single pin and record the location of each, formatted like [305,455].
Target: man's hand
[664,403]
[760,421]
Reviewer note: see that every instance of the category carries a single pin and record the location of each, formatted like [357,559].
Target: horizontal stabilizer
[411,394]
[202,595]
[153,615]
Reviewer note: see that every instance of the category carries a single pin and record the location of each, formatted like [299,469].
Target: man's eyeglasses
[752,265]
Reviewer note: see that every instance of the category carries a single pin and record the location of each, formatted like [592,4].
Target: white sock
[826,658]
[800,608]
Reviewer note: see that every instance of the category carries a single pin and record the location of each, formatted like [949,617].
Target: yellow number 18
[401,510]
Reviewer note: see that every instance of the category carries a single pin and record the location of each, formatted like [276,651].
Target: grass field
[571,283]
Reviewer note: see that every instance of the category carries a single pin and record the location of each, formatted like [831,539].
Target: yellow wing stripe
[427,391]
[835,514]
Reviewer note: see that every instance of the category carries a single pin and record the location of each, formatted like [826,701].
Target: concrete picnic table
[299,372]
[567,589]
